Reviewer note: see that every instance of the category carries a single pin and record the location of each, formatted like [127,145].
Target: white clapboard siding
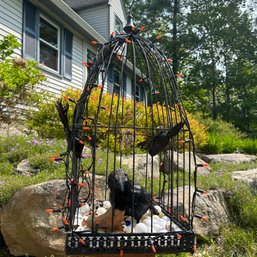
[11,20]
[116,10]
[97,17]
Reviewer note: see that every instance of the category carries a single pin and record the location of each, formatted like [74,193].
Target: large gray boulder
[26,226]
[229,158]
[249,177]
[213,206]
[143,163]
[186,161]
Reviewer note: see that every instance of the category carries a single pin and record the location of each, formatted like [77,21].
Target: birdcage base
[81,243]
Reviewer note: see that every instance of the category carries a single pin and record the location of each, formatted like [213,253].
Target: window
[90,57]
[49,38]
[137,94]
[47,42]
[114,82]
[118,25]
[140,94]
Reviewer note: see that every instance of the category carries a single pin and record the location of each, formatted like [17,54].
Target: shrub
[45,119]
[199,132]
[17,80]
[223,137]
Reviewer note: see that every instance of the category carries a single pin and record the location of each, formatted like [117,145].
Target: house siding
[116,10]
[11,20]
[97,17]
[55,84]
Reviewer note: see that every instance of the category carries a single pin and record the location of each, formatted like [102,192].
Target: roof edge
[65,12]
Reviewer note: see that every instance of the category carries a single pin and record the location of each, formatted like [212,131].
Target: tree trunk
[214,105]
[174,36]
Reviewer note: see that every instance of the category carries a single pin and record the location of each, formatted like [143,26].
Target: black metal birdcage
[129,126]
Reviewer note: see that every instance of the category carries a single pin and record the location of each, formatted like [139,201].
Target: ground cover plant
[238,239]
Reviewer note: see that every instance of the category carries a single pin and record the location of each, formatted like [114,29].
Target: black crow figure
[121,195]
[161,140]
[63,113]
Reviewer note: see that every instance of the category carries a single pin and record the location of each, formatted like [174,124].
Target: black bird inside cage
[130,187]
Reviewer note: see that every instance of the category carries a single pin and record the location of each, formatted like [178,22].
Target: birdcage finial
[129,26]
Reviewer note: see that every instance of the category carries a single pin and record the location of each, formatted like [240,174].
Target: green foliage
[223,137]
[220,176]
[233,241]
[7,46]
[219,72]
[45,120]
[243,207]
[17,80]
[16,148]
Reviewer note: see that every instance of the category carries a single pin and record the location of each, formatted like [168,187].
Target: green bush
[223,137]
[45,120]
[17,80]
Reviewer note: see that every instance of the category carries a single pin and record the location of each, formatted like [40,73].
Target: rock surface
[229,158]
[189,163]
[249,177]
[213,206]
[26,227]
[142,161]
[25,169]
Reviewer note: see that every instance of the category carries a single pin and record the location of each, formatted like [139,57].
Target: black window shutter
[111,73]
[30,36]
[142,94]
[68,42]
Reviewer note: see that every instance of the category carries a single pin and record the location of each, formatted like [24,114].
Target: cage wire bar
[154,124]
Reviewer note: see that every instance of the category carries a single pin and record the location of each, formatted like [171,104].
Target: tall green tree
[212,43]
[220,34]
[163,18]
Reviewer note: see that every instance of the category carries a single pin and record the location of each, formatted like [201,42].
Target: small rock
[25,169]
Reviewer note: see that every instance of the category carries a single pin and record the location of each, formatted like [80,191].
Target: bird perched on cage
[160,140]
[63,113]
[123,192]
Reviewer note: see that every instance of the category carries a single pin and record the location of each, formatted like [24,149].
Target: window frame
[31,41]
[116,24]
[137,96]
[140,97]
[59,59]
